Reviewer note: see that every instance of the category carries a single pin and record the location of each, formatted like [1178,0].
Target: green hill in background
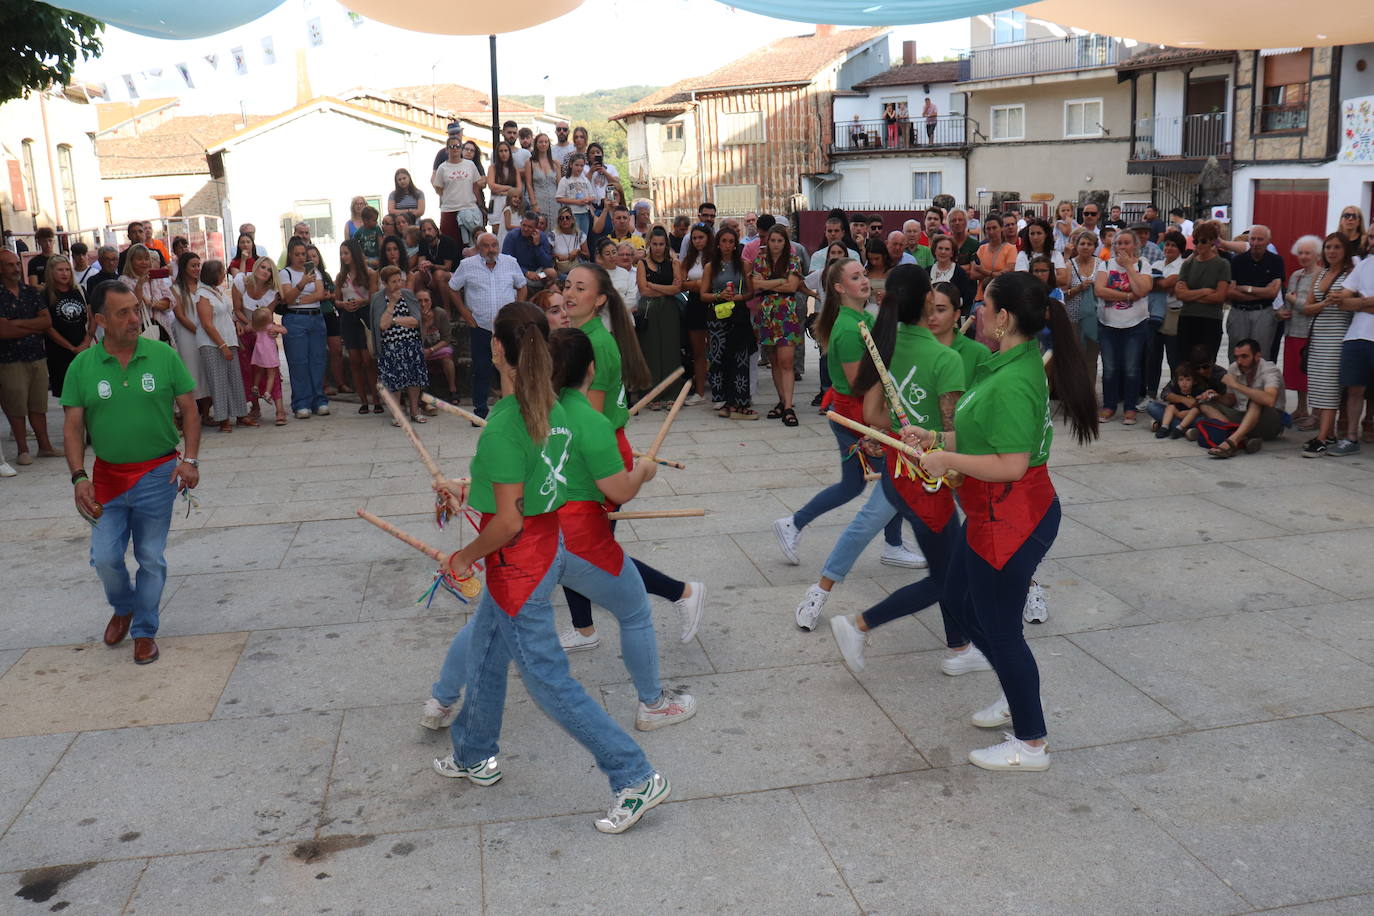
[590,110]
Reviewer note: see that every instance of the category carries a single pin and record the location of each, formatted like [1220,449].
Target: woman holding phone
[302,291]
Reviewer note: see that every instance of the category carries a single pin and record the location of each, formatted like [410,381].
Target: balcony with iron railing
[1195,136]
[909,135]
[1045,55]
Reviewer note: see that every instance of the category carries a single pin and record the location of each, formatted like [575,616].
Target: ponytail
[523,330]
[572,354]
[830,304]
[904,302]
[634,371]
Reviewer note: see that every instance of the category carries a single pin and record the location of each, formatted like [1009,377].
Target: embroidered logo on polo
[912,394]
[104,390]
[556,476]
[148,382]
[620,398]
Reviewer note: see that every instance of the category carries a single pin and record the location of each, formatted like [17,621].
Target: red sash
[845,404]
[935,509]
[1002,515]
[627,454]
[587,533]
[112,481]
[515,571]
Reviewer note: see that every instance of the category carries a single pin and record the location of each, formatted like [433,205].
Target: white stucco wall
[877,182]
[869,107]
[1346,185]
[136,198]
[322,155]
[69,123]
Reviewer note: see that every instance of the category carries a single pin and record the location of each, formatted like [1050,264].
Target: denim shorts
[1357,363]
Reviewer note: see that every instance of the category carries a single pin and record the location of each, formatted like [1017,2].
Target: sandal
[378,408]
[1227,449]
[396,423]
[789,417]
[364,408]
[1104,415]
[776,412]
[418,418]
[724,413]
[1128,418]
[743,413]
[281,420]
[1154,426]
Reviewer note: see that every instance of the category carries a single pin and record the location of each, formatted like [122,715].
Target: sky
[646,42]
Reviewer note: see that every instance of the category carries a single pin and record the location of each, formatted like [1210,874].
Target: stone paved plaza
[1208,680]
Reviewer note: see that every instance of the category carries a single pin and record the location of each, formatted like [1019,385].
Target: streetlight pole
[495,102]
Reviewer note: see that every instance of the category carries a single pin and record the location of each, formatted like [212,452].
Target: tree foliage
[44,46]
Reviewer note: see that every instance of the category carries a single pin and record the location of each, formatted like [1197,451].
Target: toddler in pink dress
[265,360]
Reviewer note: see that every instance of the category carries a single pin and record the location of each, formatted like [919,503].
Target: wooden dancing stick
[889,387]
[968,323]
[663,461]
[400,535]
[432,401]
[872,433]
[668,421]
[656,391]
[662,513]
[1045,359]
[394,406]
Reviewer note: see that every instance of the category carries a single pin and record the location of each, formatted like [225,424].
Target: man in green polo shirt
[122,389]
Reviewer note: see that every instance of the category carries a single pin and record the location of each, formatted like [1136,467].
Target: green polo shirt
[595,454]
[973,353]
[507,454]
[606,353]
[845,345]
[923,256]
[128,409]
[1007,410]
[922,369]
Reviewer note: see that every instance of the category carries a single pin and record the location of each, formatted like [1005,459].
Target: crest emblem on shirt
[911,393]
[556,475]
[104,390]
[148,382]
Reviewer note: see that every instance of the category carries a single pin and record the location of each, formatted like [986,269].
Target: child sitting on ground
[1182,406]
[265,360]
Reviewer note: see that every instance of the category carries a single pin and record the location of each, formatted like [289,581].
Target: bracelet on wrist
[78,476]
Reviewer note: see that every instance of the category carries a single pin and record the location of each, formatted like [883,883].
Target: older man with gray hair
[1256,278]
[482,284]
[107,268]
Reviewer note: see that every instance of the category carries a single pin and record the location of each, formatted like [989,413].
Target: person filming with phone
[305,344]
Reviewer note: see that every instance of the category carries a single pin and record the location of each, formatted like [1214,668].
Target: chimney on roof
[908,53]
[824,31]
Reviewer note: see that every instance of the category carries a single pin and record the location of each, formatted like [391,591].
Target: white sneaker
[436,715]
[1012,754]
[322,411]
[1143,403]
[692,400]
[851,641]
[788,536]
[717,405]
[6,470]
[632,803]
[1036,610]
[690,609]
[903,556]
[672,707]
[957,663]
[994,716]
[302,414]
[573,641]
[809,611]
[483,774]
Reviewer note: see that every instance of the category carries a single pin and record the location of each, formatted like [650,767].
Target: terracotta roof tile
[1165,57]
[474,104]
[175,147]
[108,114]
[943,71]
[788,60]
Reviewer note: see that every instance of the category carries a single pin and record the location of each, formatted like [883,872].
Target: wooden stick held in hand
[668,421]
[872,433]
[968,323]
[889,387]
[432,552]
[445,406]
[656,391]
[394,406]
[663,461]
[663,513]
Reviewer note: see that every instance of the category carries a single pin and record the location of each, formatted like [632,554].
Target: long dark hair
[357,269]
[523,330]
[410,186]
[655,233]
[950,292]
[777,267]
[404,262]
[503,172]
[904,302]
[1032,308]
[872,247]
[1047,249]
[713,253]
[476,156]
[572,354]
[634,371]
[707,252]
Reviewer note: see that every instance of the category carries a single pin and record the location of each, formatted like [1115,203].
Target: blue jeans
[989,603]
[584,221]
[1156,410]
[825,372]
[938,547]
[479,346]
[143,514]
[851,485]
[306,355]
[876,514]
[1123,351]
[529,638]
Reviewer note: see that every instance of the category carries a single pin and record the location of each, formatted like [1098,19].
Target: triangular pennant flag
[269,53]
[240,62]
[355,19]
[129,85]
[185,72]
[213,61]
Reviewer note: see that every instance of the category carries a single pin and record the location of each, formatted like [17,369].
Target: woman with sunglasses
[569,243]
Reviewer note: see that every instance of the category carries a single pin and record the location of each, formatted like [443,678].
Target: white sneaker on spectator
[1036,610]
[573,641]
[322,411]
[994,716]
[957,663]
[1012,754]
[851,641]
[302,414]
[903,556]
[1143,403]
[692,400]
[672,707]
[436,715]
[809,611]
[6,470]
[788,536]
[690,609]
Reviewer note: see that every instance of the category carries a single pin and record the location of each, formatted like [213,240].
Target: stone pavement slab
[93,686]
[1278,810]
[1337,560]
[23,764]
[1169,521]
[94,888]
[1359,721]
[1347,626]
[265,599]
[1305,508]
[179,788]
[1076,539]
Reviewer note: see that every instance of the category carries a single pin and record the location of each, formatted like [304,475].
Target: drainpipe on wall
[58,210]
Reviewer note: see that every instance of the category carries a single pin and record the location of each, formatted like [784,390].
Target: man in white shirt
[457,181]
[564,146]
[1357,350]
[1256,387]
[481,285]
[1181,222]
[834,232]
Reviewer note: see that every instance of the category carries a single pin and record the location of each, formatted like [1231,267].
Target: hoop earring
[998,333]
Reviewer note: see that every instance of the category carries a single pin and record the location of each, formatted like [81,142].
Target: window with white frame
[740,127]
[672,132]
[1082,118]
[926,185]
[1008,122]
[737,198]
[1009,27]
